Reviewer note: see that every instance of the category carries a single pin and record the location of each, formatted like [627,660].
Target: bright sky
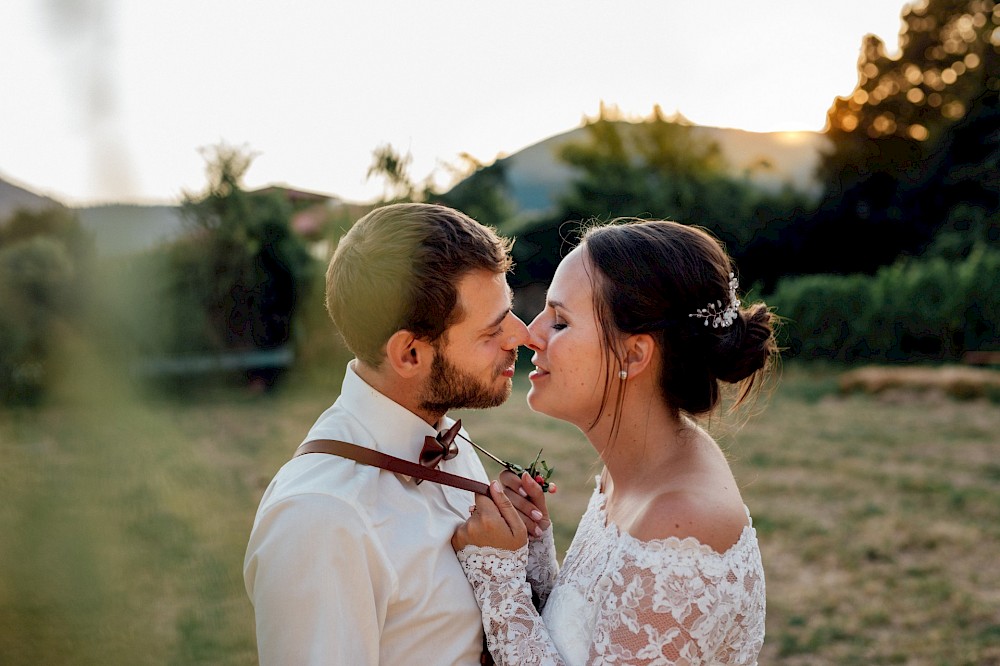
[112,100]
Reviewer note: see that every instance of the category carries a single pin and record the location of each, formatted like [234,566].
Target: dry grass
[126,518]
[957,381]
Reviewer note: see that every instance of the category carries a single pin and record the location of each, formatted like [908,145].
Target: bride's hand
[494,522]
[529,500]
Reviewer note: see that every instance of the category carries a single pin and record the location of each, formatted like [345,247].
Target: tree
[907,141]
[45,267]
[483,194]
[395,169]
[242,263]
[948,59]
[659,168]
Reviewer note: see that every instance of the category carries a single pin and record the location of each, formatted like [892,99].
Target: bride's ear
[638,350]
[407,354]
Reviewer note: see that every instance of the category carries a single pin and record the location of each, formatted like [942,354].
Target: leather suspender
[367,456]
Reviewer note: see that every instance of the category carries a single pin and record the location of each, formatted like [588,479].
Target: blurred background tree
[394,168]
[658,168]
[230,285]
[242,260]
[45,269]
[915,146]
[482,192]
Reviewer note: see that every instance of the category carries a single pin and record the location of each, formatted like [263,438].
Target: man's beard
[451,388]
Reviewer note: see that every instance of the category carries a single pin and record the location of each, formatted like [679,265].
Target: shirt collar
[394,429]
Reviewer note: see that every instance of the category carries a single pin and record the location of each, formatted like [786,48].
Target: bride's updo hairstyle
[676,283]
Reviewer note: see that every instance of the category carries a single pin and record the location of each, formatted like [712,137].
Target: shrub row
[914,310]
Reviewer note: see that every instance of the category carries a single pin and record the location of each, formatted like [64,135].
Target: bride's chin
[536,403]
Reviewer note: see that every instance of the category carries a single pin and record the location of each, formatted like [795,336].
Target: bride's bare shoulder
[717,523]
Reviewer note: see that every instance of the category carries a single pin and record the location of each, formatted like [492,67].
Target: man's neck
[402,392]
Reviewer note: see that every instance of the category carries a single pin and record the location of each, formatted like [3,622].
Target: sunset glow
[108,100]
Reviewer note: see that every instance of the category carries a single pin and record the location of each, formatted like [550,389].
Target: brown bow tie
[442,447]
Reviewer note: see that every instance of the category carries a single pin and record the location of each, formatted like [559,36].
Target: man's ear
[638,349]
[407,354]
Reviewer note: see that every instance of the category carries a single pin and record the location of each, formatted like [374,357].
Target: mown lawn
[124,517]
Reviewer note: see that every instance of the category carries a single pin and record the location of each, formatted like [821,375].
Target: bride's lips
[538,373]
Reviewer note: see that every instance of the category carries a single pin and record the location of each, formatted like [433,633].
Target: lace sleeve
[542,566]
[515,633]
[686,610]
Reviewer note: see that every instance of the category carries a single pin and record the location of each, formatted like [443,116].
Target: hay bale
[961,382]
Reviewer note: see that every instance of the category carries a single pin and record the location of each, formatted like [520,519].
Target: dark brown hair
[398,268]
[650,276]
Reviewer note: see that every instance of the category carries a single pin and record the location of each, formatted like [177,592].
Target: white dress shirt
[351,564]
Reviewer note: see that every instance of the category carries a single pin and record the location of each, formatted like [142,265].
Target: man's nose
[519,335]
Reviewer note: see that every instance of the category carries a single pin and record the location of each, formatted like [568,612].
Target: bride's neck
[645,443]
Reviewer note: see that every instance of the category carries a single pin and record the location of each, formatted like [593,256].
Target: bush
[36,279]
[931,309]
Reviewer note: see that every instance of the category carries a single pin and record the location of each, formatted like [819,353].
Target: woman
[642,321]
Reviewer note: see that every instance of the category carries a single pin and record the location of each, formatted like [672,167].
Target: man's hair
[398,268]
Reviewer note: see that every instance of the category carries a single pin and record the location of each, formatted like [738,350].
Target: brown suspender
[367,456]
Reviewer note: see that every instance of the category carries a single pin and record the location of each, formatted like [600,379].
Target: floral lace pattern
[618,600]
[542,567]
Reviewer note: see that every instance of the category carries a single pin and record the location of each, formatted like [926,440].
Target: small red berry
[539,479]
[552,487]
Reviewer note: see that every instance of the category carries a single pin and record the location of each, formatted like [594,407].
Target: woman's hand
[527,496]
[494,522]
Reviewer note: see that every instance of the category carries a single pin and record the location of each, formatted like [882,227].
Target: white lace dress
[618,600]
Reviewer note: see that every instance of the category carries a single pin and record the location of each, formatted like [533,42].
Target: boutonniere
[538,469]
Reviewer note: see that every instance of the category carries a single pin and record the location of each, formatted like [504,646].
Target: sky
[119,101]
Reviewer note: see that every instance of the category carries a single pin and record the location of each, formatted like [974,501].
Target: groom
[352,564]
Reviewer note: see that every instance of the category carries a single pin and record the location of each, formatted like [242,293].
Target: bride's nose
[535,339]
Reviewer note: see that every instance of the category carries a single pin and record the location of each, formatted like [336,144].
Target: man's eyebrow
[499,320]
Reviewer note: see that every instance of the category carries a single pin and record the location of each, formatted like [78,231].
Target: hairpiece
[718,315]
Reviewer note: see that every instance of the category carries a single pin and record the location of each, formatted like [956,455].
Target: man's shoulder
[319,479]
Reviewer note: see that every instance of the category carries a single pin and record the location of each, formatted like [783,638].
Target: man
[351,564]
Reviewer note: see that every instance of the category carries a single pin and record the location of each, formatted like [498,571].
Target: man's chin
[495,399]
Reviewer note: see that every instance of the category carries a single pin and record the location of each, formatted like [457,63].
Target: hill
[126,228]
[537,177]
[15,197]
[117,228]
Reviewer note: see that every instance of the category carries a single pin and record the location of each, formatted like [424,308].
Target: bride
[642,321]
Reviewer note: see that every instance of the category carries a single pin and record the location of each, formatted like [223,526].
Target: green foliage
[659,168]
[656,168]
[394,168]
[241,268]
[915,147]
[949,58]
[929,309]
[483,195]
[44,264]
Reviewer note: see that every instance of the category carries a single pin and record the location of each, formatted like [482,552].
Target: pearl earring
[623,375]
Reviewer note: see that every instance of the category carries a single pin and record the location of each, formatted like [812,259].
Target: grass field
[125,514]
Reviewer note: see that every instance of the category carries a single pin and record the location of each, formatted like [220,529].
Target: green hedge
[917,309]
[36,279]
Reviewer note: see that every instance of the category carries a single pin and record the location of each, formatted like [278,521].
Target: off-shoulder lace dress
[618,600]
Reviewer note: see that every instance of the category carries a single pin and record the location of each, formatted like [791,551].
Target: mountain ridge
[536,179]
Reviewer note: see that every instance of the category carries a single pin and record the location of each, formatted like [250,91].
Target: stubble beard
[449,387]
